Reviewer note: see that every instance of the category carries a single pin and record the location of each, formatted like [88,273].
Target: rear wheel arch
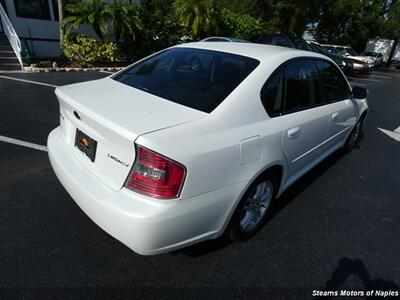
[277,170]
[274,173]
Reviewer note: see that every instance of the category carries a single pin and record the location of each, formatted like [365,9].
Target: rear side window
[272,94]
[199,79]
[334,85]
[302,86]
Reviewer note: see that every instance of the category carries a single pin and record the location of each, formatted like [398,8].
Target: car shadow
[385,69]
[289,195]
[204,248]
[355,267]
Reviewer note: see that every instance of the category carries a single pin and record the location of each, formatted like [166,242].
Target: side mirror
[359,92]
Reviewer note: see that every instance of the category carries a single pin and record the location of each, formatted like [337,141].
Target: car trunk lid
[111,116]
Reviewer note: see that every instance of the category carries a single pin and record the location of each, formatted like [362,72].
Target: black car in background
[298,43]
[284,41]
[346,64]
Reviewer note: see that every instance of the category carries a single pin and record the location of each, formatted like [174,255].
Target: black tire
[235,231]
[354,136]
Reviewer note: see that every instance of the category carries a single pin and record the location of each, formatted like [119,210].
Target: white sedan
[197,140]
[376,57]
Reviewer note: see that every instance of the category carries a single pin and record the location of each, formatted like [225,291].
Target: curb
[97,69]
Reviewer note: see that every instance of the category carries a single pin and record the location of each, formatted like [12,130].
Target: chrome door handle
[293,132]
[335,116]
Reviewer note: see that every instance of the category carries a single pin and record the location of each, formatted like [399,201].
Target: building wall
[41,35]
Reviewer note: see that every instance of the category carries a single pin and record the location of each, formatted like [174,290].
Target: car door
[337,97]
[304,118]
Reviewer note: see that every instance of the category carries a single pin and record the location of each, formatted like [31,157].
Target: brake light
[155,175]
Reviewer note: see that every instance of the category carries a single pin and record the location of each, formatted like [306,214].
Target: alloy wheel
[256,206]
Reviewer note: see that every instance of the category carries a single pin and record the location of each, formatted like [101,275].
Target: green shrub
[84,50]
[240,25]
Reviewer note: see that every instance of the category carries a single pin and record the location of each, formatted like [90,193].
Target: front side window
[199,79]
[334,85]
[35,9]
[302,86]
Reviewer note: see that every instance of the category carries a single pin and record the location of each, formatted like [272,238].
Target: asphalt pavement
[336,229]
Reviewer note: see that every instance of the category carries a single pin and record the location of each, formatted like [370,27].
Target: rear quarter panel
[213,160]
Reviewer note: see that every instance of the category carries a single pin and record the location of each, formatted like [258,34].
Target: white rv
[383,46]
[396,55]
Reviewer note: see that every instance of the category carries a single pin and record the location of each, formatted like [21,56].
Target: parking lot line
[380,76]
[28,81]
[366,79]
[357,83]
[392,134]
[13,72]
[22,143]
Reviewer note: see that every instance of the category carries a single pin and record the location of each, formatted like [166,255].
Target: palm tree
[124,20]
[201,16]
[90,12]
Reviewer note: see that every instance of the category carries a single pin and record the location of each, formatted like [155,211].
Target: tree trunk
[60,18]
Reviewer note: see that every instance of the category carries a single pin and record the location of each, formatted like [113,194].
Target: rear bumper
[147,226]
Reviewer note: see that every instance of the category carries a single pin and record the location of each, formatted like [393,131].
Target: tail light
[155,175]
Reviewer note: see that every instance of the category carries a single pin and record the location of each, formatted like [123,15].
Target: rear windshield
[200,79]
[351,51]
[319,49]
[301,44]
[339,51]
